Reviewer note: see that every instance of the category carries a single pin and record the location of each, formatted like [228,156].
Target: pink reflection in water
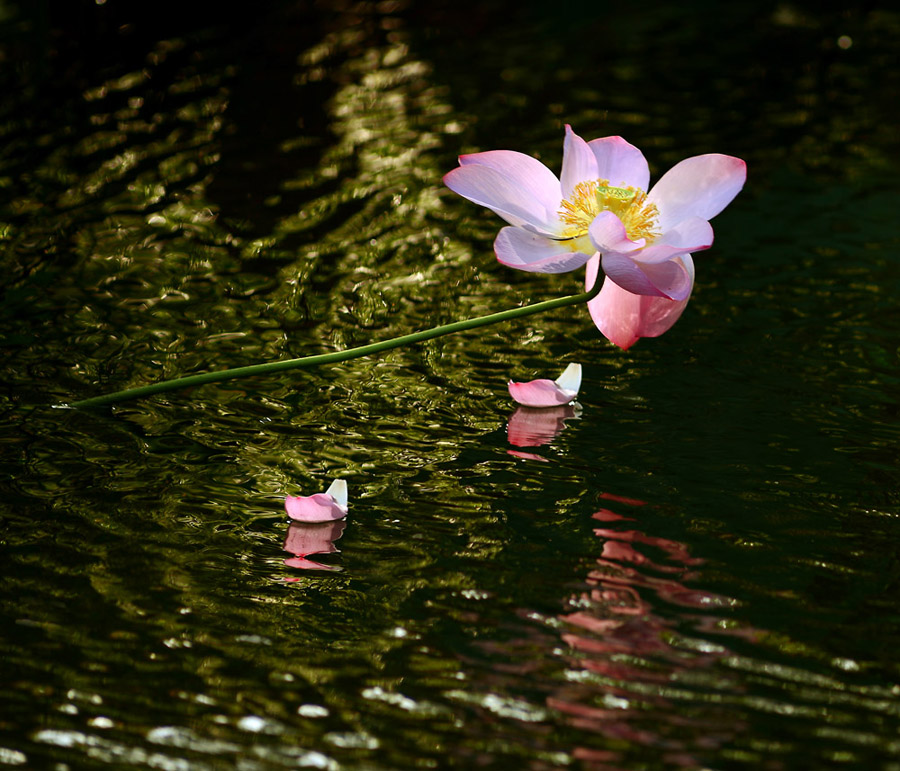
[617,632]
[303,540]
[529,427]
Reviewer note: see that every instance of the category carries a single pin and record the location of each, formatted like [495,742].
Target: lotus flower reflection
[321,507]
[548,393]
[599,213]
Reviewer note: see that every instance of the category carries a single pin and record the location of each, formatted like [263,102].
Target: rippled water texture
[695,566]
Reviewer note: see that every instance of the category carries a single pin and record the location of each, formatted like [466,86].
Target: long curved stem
[337,356]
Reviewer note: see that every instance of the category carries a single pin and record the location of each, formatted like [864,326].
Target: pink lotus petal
[661,279]
[514,183]
[523,171]
[517,248]
[623,317]
[539,393]
[534,427]
[579,163]
[691,235]
[608,234]
[620,162]
[697,187]
[548,393]
[321,507]
[488,187]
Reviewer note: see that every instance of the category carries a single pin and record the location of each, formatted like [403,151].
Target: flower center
[629,204]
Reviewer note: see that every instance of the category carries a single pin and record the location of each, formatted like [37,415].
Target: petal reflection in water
[625,628]
[303,540]
[529,427]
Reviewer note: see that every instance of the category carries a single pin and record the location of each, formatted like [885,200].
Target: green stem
[332,358]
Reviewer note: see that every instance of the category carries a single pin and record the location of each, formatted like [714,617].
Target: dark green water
[700,571]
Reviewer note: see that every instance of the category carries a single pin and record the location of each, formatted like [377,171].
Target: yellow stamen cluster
[629,204]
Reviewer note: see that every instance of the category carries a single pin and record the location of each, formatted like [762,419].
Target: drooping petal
[579,163]
[548,393]
[697,187]
[656,279]
[608,234]
[320,507]
[505,196]
[623,317]
[620,162]
[518,248]
[691,235]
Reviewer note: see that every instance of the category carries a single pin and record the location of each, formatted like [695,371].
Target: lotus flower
[599,211]
[548,393]
[321,507]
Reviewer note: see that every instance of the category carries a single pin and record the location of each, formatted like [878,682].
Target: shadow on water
[692,567]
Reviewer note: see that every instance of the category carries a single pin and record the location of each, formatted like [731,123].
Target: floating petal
[320,507]
[548,393]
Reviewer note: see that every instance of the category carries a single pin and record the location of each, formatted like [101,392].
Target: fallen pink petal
[320,507]
[548,393]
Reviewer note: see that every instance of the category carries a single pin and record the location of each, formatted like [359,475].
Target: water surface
[696,568]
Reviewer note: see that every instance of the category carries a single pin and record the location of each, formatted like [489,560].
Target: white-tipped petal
[570,379]
[548,393]
[338,491]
